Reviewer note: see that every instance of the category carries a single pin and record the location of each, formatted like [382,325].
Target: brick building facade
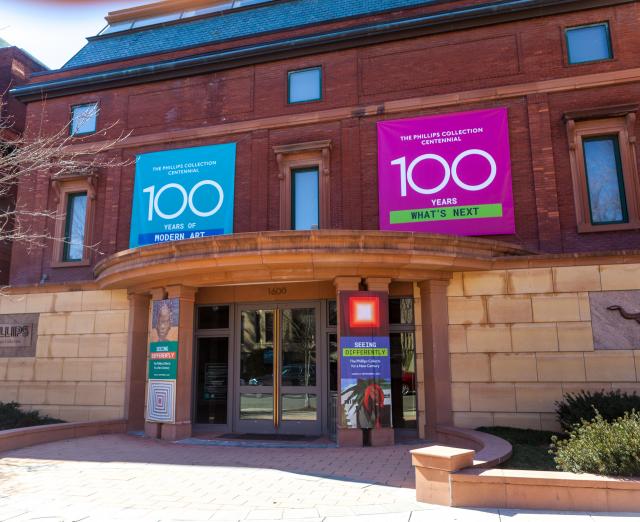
[499,327]
[15,67]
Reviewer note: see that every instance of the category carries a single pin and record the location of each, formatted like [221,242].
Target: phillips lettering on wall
[18,335]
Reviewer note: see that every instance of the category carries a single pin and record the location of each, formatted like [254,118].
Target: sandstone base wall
[520,339]
[78,372]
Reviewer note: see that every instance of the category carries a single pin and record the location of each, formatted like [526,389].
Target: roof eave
[379,32]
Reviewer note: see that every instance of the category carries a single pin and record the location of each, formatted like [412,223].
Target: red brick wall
[10,77]
[13,63]
[489,57]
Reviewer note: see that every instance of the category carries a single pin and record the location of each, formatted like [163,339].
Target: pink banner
[448,174]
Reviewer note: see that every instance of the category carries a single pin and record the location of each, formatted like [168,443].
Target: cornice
[379,32]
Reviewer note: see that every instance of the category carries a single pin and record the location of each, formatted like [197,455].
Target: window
[605,186]
[589,43]
[402,339]
[75,222]
[18,69]
[84,118]
[305,85]
[332,313]
[156,20]
[213,317]
[604,170]
[116,27]
[74,196]
[304,185]
[401,311]
[304,199]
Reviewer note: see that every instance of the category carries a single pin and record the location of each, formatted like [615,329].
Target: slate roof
[230,25]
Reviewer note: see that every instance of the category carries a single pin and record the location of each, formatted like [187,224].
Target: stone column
[184,382]
[435,338]
[381,436]
[345,436]
[136,361]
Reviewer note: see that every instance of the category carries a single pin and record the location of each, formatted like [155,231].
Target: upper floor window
[75,197]
[305,85]
[84,118]
[605,184]
[75,223]
[304,185]
[304,199]
[589,43]
[604,169]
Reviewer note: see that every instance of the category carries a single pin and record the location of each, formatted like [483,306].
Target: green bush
[11,416]
[582,406]
[601,447]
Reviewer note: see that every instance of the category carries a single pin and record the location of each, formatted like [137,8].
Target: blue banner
[183,194]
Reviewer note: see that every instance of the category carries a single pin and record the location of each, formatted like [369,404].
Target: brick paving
[119,477]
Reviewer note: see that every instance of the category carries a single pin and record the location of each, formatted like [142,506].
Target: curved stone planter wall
[23,437]
[453,476]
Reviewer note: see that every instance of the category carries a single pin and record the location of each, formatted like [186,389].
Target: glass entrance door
[212,380]
[278,383]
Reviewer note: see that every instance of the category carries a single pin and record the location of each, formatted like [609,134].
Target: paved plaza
[120,477]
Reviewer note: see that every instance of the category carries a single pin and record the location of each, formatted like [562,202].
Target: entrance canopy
[296,256]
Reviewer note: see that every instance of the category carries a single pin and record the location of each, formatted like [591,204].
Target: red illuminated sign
[364,312]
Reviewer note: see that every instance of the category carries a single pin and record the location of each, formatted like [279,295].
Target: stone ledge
[489,449]
[440,479]
[442,458]
[23,437]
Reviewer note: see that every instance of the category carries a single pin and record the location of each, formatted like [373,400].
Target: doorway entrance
[278,379]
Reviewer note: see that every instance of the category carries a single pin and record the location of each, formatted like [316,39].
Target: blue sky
[53,31]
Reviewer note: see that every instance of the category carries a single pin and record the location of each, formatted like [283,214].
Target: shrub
[582,406]
[11,416]
[601,447]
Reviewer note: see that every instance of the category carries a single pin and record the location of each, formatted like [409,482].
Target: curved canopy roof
[297,256]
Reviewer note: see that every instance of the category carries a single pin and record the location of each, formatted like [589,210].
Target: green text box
[365,352]
[398,217]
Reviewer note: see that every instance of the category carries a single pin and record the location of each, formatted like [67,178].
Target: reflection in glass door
[278,386]
[212,380]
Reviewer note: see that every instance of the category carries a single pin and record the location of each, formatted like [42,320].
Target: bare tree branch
[40,152]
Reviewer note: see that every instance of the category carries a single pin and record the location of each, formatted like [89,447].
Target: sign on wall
[163,360]
[183,194]
[18,335]
[365,362]
[447,174]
